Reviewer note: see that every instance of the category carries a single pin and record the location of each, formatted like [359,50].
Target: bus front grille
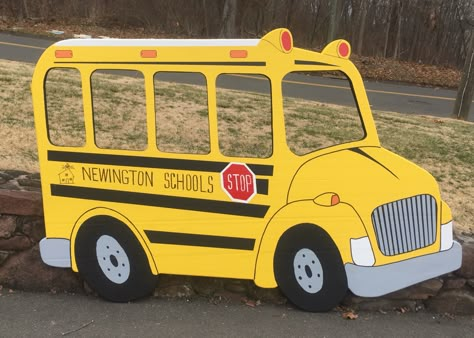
[405,225]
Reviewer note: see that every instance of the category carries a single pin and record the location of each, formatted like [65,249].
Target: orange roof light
[238,53]
[335,200]
[63,54]
[148,53]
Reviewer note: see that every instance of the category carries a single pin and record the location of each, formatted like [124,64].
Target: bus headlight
[446,236]
[361,251]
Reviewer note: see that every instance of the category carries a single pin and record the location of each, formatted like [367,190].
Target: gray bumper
[374,281]
[56,252]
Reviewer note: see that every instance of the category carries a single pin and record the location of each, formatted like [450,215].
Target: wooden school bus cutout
[313,222]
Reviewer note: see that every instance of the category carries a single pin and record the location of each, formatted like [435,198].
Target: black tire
[123,273]
[308,268]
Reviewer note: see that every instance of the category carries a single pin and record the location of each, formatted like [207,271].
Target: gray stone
[454,283]
[174,291]
[24,203]
[173,286]
[34,176]
[7,226]
[15,243]
[470,282]
[10,185]
[3,256]
[26,271]
[379,304]
[15,173]
[236,286]
[224,296]
[423,290]
[206,286]
[467,268]
[28,182]
[273,296]
[5,176]
[453,301]
[88,290]
[33,227]
[171,280]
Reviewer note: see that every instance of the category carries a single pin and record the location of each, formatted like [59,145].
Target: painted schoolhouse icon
[66,176]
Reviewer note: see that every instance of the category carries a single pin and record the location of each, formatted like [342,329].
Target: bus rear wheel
[308,268]
[112,261]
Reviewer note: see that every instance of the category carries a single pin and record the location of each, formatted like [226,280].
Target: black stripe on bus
[262,186]
[311,63]
[176,238]
[151,162]
[363,153]
[181,63]
[163,201]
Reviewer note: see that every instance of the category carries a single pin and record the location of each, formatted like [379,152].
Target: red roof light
[343,49]
[286,41]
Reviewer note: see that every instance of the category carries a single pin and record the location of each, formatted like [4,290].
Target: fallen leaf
[402,309]
[449,315]
[350,315]
[250,303]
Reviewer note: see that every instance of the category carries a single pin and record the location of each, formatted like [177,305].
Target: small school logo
[66,176]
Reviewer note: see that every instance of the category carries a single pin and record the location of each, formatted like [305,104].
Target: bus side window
[181,110]
[244,118]
[323,120]
[119,106]
[64,110]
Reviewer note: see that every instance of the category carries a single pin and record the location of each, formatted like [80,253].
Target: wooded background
[426,31]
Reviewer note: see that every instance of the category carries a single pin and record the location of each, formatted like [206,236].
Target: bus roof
[157,42]
[279,38]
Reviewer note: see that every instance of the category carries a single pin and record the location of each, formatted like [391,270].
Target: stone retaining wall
[22,226]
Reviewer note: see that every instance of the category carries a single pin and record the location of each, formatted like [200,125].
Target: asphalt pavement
[383,96]
[24,314]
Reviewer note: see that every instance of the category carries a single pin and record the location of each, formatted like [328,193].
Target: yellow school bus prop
[346,216]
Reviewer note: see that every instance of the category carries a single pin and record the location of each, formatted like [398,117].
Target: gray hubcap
[112,259]
[308,270]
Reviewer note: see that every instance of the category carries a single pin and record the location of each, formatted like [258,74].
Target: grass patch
[444,147]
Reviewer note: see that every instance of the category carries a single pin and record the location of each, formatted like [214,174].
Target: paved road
[382,96]
[25,314]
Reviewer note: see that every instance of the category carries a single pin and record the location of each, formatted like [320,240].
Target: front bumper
[374,281]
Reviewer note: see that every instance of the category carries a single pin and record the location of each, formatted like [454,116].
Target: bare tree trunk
[25,9]
[228,19]
[396,51]
[333,6]
[289,13]
[466,87]
[360,35]
[387,31]
[204,13]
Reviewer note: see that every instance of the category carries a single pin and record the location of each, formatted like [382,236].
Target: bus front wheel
[112,261]
[308,268]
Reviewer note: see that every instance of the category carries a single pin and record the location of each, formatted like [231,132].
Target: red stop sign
[238,182]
